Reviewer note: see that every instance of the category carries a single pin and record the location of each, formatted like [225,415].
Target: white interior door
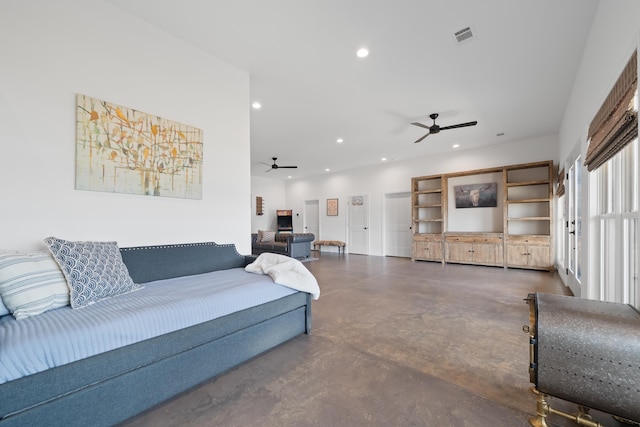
[312,217]
[397,225]
[573,225]
[358,211]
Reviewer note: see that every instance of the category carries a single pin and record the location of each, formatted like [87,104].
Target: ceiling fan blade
[266,164]
[422,138]
[287,167]
[269,170]
[421,125]
[460,125]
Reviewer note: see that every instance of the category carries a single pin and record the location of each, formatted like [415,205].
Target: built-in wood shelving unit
[525,240]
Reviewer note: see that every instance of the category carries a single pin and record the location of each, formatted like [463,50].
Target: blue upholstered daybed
[114,385]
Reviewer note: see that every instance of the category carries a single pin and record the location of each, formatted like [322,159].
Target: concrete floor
[393,343]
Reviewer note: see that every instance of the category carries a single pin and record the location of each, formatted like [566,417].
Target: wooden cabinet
[525,217]
[529,252]
[528,201]
[475,248]
[427,217]
[427,248]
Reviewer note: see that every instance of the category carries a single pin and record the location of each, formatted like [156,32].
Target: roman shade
[616,123]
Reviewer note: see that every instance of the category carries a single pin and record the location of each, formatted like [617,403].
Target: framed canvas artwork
[476,195]
[332,207]
[122,150]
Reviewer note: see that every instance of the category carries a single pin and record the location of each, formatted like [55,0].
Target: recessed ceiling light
[339,140]
[456,145]
[289,177]
[327,170]
[256,106]
[362,52]
[384,159]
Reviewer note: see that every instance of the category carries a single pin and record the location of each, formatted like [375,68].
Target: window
[612,156]
[618,201]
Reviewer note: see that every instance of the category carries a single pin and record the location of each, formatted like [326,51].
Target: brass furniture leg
[543,410]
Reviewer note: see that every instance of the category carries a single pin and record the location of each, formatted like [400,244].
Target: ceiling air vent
[464,34]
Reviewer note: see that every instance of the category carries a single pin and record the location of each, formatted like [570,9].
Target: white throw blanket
[285,271]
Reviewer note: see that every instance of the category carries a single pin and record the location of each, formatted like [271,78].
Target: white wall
[273,193]
[52,50]
[395,177]
[613,37]
[484,220]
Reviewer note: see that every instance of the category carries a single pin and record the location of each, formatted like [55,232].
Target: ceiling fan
[275,166]
[435,128]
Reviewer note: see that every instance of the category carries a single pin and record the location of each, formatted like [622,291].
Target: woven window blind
[616,123]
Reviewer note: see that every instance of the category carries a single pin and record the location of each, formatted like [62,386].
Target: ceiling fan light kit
[436,128]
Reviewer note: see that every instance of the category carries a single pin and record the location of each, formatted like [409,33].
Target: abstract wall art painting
[122,150]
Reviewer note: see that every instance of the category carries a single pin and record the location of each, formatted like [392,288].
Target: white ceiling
[514,77]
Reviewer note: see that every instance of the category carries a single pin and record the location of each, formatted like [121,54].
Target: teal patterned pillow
[94,270]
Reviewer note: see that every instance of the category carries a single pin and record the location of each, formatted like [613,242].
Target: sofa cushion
[31,284]
[273,246]
[94,270]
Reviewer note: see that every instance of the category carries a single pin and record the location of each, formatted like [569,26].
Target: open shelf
[530,218]
[545,200]
[521,183]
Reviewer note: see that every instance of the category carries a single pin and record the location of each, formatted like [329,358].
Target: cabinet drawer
[475,238]
[427,237]
[529,240]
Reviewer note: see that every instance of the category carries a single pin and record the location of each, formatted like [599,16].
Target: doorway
[358,211]
[397,225]
[311,217]
[573,224]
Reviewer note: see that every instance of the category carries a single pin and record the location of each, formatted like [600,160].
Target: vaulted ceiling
[513,76]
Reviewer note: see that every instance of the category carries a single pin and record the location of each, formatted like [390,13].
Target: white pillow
[94,270]
[268,236]
[31,284]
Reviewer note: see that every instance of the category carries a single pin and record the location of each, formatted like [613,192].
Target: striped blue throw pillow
[31,284]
